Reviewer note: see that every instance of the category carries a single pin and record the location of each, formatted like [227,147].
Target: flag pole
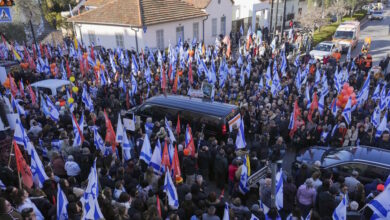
[20,181]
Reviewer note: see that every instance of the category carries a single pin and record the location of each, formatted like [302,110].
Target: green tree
[52,11]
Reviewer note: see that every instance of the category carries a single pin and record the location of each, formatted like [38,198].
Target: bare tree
[339,8]
[312,18]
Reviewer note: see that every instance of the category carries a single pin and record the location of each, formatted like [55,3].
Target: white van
[50,86]
[347,35]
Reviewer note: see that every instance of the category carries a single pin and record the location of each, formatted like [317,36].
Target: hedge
[326,32]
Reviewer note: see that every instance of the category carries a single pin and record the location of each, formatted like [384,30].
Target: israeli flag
[263,207]
[297,61]
[97,140]
[170,191]
[283,66]
[347,111]
[243,186]
[91,209]
[279,190]
[382,100]
[321,104]
[21,138]
[119,130]
[376,94]
[148,75]
[268,78]
[242,77]
[307,96]
[112,63]
[239,61]
[376,117]
[241,30]
[171,136]
[348,58]
[325,87]
[334,109]
[381,204]
[37,169]
[126,147]
[275,87]
[226,212]
[86,99]
[340,213]
[318,77]
[146,150]
[77,141]
[363,94]
[155,161]
[298,80]
[19,108]
[53,112]
[134,65]
[382,126]
[149,128]
[103,80]
[62,203]
[240,140]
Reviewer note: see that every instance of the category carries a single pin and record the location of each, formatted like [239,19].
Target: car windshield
[377,13]
[336,157]
[344,34]
[323,47]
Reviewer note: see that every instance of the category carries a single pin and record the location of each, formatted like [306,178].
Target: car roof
[51,83]
[327,42]
[194,104]
[357,154]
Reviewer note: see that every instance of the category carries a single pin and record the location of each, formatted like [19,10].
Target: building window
[180,34]
[91,37]
[160,39]
[223,25]
[214,27]
[119,40]
[195,29]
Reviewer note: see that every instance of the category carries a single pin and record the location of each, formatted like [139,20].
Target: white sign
[234,121]
[129,124]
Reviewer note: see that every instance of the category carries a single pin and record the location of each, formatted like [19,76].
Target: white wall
[150,37]
[243,9]
[105,35]
[216,10]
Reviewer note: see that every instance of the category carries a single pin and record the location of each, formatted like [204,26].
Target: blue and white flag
[146,150]
[298,80]
[387,182]
[242,77]
[86,99]
[134,65]
[376,117]
[363,94]
[307,97]
[226,212]
[241,30]
[243,186]
[376,94]
[119,130]
[318,77]
[297,61]
[155,161]
[380,205]
[62,203]
[170,191]
[53,111]
[348,58]
[240,140]
[77,141]
[91,209]
[263,207]
[97,140]
[279,190]
[15,104]
[382,126]
[37,169]
[276,86]
[325,87]
[321,104]
[253,217]
[340,213]
[171,135]
[283,66]
[268,78]
[347,111]
[383,100]
[126,147]
[333,108]
[21,138]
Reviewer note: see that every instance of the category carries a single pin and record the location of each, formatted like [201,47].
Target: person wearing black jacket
[204,157]
[325,202]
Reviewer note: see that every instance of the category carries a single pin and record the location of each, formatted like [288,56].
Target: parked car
[215,118]
[376,15]
[370,162]
[323,49]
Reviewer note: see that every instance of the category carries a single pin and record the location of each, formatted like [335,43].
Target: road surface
[380,37]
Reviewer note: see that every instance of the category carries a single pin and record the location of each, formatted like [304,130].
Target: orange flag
[13,86]
[110,133]
[190,141]
[313,106]
[165,156]
[32,95]
[158,206]
[22,167]
[174,88]
[176,164]
[178,125]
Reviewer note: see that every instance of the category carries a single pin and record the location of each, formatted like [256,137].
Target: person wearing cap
[352,181]
[71,167]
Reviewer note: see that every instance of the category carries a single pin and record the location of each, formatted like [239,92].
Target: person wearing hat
[71,167]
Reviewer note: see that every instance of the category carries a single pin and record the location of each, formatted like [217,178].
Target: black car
[212,117]
[370,162]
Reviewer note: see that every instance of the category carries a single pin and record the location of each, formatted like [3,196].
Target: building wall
[217,10]
[106,35]
[169,30]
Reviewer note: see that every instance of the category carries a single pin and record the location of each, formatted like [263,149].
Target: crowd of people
[287,101]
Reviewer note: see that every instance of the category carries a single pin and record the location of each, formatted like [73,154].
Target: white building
[219,19]
[135,24]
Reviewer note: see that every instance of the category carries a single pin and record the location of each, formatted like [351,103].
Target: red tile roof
[96,3]
[139,12]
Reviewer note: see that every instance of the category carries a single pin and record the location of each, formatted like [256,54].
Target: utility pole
[283,20]
[270,23]
[276,17]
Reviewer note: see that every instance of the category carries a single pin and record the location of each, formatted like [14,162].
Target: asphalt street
[379,31]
